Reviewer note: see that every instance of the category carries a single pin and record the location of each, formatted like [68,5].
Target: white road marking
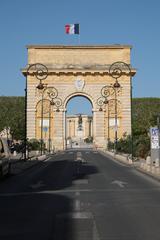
[77,205]
[79,157]
[121,184]
[79,154]
[77,194]
[89,227]
[80,190]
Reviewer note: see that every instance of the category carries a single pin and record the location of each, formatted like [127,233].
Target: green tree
[12,115]
[145,111]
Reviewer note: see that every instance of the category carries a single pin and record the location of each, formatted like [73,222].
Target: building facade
[76,130]
[77,71]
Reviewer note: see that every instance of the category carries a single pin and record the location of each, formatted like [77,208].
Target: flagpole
[79,39]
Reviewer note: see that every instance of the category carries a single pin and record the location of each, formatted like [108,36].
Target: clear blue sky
[79,105]
[101,22]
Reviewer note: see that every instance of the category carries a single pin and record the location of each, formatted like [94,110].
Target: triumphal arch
[55,74]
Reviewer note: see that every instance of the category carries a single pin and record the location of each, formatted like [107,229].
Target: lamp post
[41,73]
[25,117]
[52,95]
[116,70]
[106,92]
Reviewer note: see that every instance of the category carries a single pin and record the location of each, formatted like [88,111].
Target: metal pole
[65,142]
[131,120]
[42,124]
[108,126]
[116,127]
[25,133]
[90,128]
[49,127]
[158,125]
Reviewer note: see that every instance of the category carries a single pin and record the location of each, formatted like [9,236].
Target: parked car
[4,157]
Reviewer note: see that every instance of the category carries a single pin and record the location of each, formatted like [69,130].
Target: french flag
[72,28]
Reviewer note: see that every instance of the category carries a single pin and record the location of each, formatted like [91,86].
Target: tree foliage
[145,112]
[12,115]
[144,115]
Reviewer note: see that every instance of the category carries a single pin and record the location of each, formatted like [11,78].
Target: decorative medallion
[79,84]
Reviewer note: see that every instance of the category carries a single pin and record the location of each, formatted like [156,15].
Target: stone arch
[38,106]
[66,66]
[44,121]
[72,95]
[78,135]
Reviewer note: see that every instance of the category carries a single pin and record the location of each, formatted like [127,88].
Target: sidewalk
[18,165]
[141,165]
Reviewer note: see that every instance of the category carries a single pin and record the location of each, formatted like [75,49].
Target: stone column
[31,123]
[64,129]
[58,139]
[84,127]
[99,130]
[31,111]
[74,128]
[126,109]
[91,128]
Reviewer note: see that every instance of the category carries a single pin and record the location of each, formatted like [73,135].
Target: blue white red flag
[72,28]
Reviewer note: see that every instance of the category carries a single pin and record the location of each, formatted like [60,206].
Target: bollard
[148,160]
[157,162]
[14,153]
[153,169]
[148,163]
[37,152]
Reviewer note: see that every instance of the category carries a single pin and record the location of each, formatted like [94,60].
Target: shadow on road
[36,216]
[36,211]
[61,174]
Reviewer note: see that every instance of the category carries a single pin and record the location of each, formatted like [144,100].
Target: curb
[150,174]
[117,158]
[21,169]
[132,164]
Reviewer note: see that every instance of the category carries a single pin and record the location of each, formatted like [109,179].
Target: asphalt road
[63,199]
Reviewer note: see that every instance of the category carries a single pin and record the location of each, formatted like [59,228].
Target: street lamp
[106,92]
[41,73]
[116,70]
[52,94]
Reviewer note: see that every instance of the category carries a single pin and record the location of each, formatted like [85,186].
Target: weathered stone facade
[77,71]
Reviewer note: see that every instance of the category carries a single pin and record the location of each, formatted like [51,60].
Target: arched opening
[44,123]
[79,122]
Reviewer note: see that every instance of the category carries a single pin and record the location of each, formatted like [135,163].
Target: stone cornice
[112,46]
[77,69]
[77,73]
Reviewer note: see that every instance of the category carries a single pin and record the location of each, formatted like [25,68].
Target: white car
[4,157]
